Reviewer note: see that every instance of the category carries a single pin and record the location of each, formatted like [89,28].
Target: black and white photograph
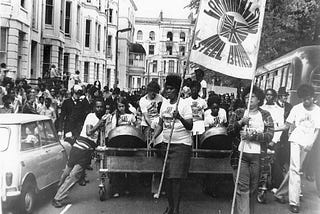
[159,106]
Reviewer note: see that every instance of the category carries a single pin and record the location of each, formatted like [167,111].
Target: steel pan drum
[126,137]
[216,138]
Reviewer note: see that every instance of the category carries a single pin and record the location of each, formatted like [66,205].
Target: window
[97,74]
[139,35]
[3,44]
[171,66]
[46,61]
[164,66]
[67,22]
[66,57]
[86,72]
[87,34]
[169,36]
[109,45]
[108,76]
[151,49]
[77,62]
[60,55]
[49,12]
[152,35]
[110,15]
[5,138]
[34,14]
[78,23]
[49,135]
[154,66]
[182,37]
[30,136]
[98,37]
[169,49]
[62,15]
[182,50]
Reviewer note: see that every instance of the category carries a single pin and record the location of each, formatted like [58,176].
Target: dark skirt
[178,162]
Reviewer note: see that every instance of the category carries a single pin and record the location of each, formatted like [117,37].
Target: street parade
[159,115]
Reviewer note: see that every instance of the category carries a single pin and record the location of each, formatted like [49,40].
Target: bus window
[269,80]
[263,83]
[285,77]
[289,79]
[276,81]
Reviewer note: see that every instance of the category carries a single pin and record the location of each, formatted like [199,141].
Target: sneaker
[274,190]
[294,209]
[60,203]
[116,195]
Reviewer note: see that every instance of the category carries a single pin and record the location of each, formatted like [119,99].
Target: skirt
[178,162]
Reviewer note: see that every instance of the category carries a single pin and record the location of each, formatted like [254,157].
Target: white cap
[77,88]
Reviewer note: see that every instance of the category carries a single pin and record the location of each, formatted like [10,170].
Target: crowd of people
[271,127]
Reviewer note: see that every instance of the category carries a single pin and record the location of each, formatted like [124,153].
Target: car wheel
[27,198]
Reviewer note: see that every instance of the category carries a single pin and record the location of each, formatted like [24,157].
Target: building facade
[166,42]
[70,34]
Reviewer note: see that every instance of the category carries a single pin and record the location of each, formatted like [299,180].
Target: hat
[282,91]
[77,88]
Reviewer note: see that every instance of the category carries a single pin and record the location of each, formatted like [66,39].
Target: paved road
[85,200]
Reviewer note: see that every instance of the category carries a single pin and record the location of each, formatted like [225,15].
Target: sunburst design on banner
[236,21]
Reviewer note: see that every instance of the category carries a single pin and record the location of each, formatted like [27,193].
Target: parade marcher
[6,108]
[48,110]
[199,77]
[180,146]
[198,106]
[277,114]
[303,123]
[80,153]
[72,114]
[215,116]
[121,182]
[253,140]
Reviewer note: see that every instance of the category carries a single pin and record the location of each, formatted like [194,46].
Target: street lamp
[117,41]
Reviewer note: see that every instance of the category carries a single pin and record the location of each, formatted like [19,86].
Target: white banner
[227,36]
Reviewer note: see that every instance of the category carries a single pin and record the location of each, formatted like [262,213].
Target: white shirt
[198,106]
[212,121]
[150,107]
[92,120]
[305,122]
[124,119]
[277,114]
[255,124]
[180,134]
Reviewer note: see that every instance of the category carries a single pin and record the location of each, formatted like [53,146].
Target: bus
[290,71]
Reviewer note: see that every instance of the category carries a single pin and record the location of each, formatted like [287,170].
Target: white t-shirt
[124,119]
[255,124]
[203,84]
[277,114]
[212,121]
[150,107]
[92,120]
[197,106]
[180,134]
[305,122]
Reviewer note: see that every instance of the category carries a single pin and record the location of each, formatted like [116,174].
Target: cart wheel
[261,197]
[102,193]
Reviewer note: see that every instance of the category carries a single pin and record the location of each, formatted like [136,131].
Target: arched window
[182,37]
[169,36]
[139,35]
[152,35]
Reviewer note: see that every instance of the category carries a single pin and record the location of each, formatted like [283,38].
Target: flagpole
[248,109]
[177,104]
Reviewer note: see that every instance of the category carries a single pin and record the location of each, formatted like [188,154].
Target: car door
[31,153]
[54,155]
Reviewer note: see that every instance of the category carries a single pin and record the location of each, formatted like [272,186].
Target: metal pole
[116,65]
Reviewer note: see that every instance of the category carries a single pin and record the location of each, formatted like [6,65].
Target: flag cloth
[227,36]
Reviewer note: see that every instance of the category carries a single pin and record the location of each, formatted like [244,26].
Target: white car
[31,158]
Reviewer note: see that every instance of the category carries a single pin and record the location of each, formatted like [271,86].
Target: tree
[288,24]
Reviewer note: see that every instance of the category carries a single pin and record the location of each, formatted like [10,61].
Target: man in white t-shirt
[304,125]
[198,105]
[199,77]
[80,154]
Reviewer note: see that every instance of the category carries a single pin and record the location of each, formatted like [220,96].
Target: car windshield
[4,141]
